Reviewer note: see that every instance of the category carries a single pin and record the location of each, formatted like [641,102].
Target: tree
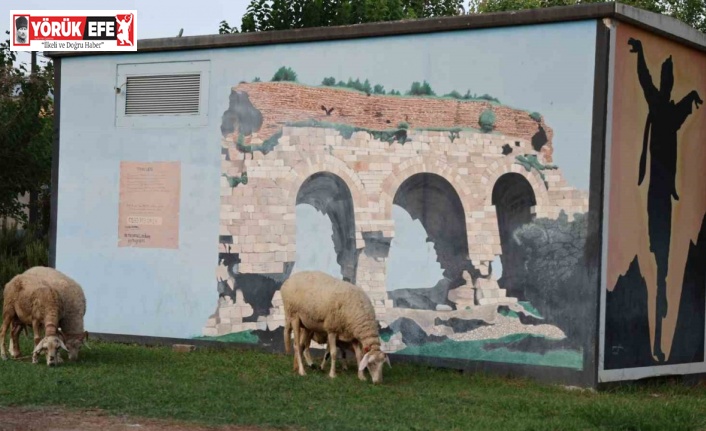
[264,15]
[692,12]
[26,121]
[226,29]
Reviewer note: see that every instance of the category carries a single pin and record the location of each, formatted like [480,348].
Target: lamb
[30,300]
[315,301]
[322,338]
[74,307]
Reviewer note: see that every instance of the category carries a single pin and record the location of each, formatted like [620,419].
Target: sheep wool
[72,297]
[317,302]
[30,300]
[73,302]
[327,304]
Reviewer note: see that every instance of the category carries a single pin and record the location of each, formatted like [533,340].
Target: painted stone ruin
[473,171]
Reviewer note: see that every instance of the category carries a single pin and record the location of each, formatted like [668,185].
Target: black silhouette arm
[643,73]
[683,108]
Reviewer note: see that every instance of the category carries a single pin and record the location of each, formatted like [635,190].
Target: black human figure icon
[664,119]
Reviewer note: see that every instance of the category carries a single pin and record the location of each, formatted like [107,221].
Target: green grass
[248,387]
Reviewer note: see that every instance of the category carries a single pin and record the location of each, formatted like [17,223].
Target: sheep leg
[37,339]
[6,321]
[295,365]
[306,341]
[297,328]
[307,336]
[344,361]
[37,332]
[323,361]
[332,348]
[15,340]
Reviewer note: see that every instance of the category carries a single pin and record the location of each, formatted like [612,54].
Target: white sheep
[73,304]
[30,300]
[315,301]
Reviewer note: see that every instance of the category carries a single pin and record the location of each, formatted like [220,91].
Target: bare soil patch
[59,419]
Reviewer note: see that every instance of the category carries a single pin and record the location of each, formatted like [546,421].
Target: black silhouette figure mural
[664,120]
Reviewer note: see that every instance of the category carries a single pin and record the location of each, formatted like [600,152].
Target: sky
[154,20]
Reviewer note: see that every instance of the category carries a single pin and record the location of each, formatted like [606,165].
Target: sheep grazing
[30,300]
[73,303]
[322,338]
[315,301]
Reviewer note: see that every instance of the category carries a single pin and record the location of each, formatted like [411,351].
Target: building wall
[469,242]
[654,300]
[131,290]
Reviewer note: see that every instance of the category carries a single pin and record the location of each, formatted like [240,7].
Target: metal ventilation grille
[163,94]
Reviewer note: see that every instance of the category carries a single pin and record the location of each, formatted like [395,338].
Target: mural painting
[656,278]
[449,210]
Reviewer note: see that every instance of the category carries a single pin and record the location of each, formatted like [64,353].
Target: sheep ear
[364,362]
[40,347]
[62,345]
[387,359]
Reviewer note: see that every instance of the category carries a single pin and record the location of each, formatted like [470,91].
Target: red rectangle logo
[74,30]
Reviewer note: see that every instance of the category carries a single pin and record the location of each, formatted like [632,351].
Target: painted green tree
[264,15]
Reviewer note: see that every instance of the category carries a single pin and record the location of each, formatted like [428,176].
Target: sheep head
[49,345]
[74,343]
[374,360]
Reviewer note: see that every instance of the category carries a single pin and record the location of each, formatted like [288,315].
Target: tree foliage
[26,122]
[692,12]
[264,15]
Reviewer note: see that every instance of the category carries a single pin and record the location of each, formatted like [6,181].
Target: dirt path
[57,419]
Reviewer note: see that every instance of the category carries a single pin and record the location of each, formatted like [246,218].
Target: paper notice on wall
[149,204]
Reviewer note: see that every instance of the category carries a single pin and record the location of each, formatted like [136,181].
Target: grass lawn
[253,388]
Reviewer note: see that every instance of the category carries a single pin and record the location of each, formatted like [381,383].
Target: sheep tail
[287,335]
